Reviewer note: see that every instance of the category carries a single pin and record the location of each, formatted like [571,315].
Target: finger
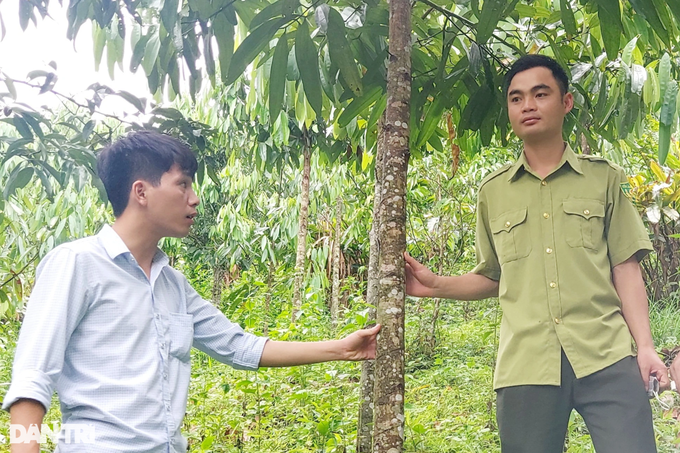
[662,376]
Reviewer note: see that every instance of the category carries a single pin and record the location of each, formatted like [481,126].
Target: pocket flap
[584,207]
[508,220]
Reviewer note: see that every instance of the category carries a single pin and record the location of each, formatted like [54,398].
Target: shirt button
[167,406]
[162,345]
[586,212]
[546,215]
[553,285]
[557,320]
[158,316]
[543,183]
[548,250]
[507,224]
[165,375]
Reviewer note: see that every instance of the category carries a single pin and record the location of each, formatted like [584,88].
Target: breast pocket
[181,335]
[584,222]
[511,235]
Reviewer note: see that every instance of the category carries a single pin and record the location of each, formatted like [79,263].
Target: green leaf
[675,8]
[17,179]
[477,108]
[646,9]
[25,13]
[169,14]
[359,105]
[22,127]
[254,43]
[99,42]
[609,13]
[34,123]
[277,78]
[667,119]
[223,30]
[568,19]
[278,8]
[627,55]
[153,45]
[10,87]
[208,56]
[307,57]
[492,11]
[664,74]
[168,113]
[431,120]
[341,54]
[140,104]
[669,106]
[138,52]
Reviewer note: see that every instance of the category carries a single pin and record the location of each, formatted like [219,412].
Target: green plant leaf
[307,58]
[664,75]
[359,105]
[611,28]
[223,30]
[431,120]
[341,54]
[140,104]
[492,11]
[277,78]
[647,10]
[22,127]
[153,45]
[169,14]
[17,179]
[254,43]
[568,19]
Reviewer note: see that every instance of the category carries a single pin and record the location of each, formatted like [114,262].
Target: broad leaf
[341,54]
[307,57]
[17,179]
[223,30]
[359,105]
[492,11]
[277,78]
[254,43]
[609,13]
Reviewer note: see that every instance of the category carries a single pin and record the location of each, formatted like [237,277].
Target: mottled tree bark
[365,423]
[389,368]
[218,284]
[335,288]
[268,299]
[301,254]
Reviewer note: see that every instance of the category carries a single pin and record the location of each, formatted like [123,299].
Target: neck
[543,156]
[142,243]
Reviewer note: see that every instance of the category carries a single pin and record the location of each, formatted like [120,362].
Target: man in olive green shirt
[559,244]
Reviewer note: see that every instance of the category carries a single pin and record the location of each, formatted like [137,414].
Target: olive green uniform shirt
[552,243]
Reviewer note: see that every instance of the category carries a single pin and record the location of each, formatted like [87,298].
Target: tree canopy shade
[325,63]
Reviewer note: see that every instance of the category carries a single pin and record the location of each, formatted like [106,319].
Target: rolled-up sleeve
[220,338]
[626,234]
[56,306]
[487,260]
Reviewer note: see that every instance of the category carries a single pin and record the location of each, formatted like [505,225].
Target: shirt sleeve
[487,260]
[57,304]
[220,338]
[626,234]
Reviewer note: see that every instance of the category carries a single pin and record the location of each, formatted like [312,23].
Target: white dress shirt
[115,345]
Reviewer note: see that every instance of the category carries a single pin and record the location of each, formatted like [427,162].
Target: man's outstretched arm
[359,345]
[422,282]
[26,412]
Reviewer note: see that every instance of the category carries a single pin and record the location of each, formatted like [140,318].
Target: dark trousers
[612,402]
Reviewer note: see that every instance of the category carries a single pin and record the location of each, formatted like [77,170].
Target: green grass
[450,404]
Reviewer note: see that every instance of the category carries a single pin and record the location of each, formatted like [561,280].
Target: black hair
[534,61]
[144,155]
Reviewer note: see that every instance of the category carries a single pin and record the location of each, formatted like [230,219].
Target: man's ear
[138,193]
[568,101]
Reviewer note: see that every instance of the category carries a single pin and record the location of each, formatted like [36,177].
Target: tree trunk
[268,299]
[389,371]
[218,284]
[365,423]
[298,289]
[335,289]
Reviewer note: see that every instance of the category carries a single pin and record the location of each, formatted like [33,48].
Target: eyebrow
[542,86]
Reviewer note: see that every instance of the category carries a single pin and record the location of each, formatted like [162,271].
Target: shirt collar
[569,156]
[115,246]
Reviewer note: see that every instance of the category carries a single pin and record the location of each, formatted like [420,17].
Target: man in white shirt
[110,325]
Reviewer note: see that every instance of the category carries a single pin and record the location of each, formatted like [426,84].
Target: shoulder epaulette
[591,158]
[495,173]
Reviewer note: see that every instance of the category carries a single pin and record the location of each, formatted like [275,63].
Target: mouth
[530,120]
[192,217]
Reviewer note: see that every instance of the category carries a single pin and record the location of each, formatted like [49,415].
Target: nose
[528,105]
[193,199]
